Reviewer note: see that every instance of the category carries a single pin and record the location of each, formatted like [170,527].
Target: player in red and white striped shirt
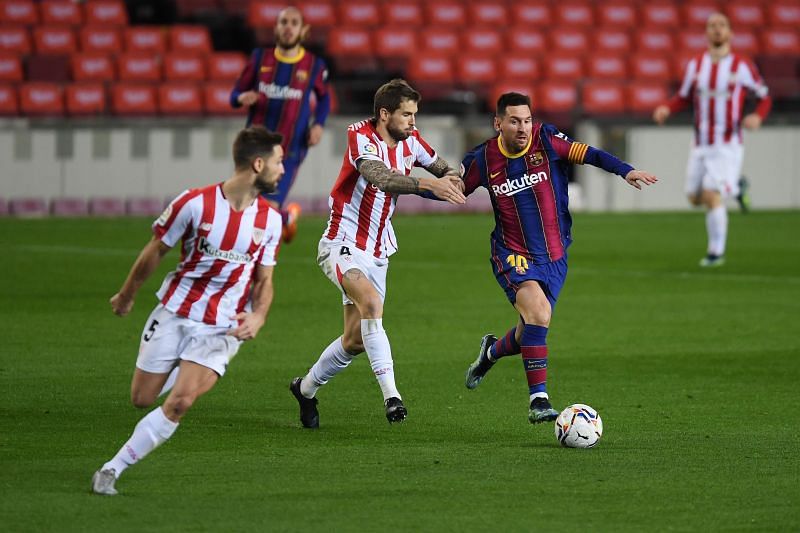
[354,250]
[715,84]
[218,296]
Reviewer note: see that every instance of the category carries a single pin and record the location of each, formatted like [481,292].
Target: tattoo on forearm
[379,175]
[440,167]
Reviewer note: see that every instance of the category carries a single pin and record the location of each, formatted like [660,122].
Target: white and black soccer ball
[579,426]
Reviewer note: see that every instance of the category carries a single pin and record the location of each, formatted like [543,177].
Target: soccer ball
[579,426]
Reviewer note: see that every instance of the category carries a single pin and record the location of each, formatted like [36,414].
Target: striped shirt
[717,92]
[219,250]
[360,212]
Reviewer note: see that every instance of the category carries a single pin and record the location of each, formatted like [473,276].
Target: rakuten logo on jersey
[228,255]
[512,187]
[279,92]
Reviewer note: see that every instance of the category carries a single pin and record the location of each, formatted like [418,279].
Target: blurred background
[111,107]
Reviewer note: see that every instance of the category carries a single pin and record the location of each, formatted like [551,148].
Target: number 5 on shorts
[150,331]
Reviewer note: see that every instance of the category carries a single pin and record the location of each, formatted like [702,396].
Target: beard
[397,134]
[265,187]
[287,45]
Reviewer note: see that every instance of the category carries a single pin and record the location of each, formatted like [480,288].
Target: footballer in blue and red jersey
[277,85]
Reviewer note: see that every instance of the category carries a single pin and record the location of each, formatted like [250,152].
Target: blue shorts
[290,167]
[551,276]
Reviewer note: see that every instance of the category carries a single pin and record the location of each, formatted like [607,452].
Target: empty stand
[10,67]
[557,97]
[351,48]
[108,207]
[9,102]
[18,12]
[150,39]
[696,13]
[563,67]
[603,97]
[138,67]
[611,40]
[440,40]
[27,207]
[428,68]
[487,14]
[520,39]
[745,42]
[446,13]
[483,40]
[61,12]
[614,14]
[41,99]
[398,14]
[654,40]
[518,66]
[51,68]
[100,39]
[15,39]
[92,66]
[190,38]
[54,40]
[572,14]
[745,15]
[133,99]
[106,12]
[651,67]
[660,15]
[784,14]
[360,12]
[144,207]
[692,40]
[84,99]
[780,42]
[643,97]
[318,13]
[175,98]
[69,207]
[183,66]
[264,14]
[475,70]
[216,99]
[535,16]
[607,65]
[226,66]
[571,40]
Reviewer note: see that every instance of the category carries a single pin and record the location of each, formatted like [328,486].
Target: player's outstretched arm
[261,300]
[144,266]
[635,177]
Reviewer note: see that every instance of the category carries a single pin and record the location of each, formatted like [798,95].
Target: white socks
[151,431]
[376,344]
[717,229]
[333,360]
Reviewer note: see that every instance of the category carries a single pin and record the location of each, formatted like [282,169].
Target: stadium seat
[133,99]
[694,40]
[106,207]
[607,65]
[15,39]
[654,40]
[10,68]
[225,66]
[106,12]
[69,207]
[360,12]
[394,47]
[61,12]
[660,15]
[572,14]
[431,67]
[92,66]
[603,97]
[611,40]
[41,99]
[696,13]
[264,14]
[399,14]
[100,39]
[183,66]
[352,50]
[150,39]
[521,39]
[49,68]
[190,38]
[651,67]
[485,40]
[474,70]
[440,40]
[616,14]
[530,14]
[643,97]
[518,66]
[86,99]
[569,40]
[513,85]
[18,12]
[216,99]
[9,103]
[54,40]
[446,13]
[563,67]
[745,42]
[745,14]
[175,98]
[784,14]
[318,13]
[557,97]
[487,14]
[138,67]
[780,42]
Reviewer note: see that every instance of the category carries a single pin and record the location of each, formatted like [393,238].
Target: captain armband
[577,153]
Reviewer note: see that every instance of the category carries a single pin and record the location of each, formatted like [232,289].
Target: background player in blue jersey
[524,170]
[276,85]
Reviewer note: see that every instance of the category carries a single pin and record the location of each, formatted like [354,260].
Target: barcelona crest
[536,158]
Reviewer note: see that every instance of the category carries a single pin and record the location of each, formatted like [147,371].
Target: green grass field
[695,374]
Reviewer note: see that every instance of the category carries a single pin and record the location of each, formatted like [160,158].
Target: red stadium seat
[183,66]
[487,14]
[643,97]
[10,67]
[86,99]
[784,14]
[569,40]
[179,99]
[571,14]
[264,14]
[651,67]
[603,97]
[394,42]
[517,85]
[520,39]
[611,40]
[557,97]
[607,65]
[15,39]
[133,99]
[18,12]
[150,39]
[9,104]
[92,66]
[615,14]
[54,40]
[190,38]
[481,41]
[446,13]
[100,39]
[745,14]
[138,67]
[106,12]
[62,12]
[216,99]
[440,40]
[398,14]
[517,66]
[225,66]
[780,42]
[352,49]
[692,40]
[654,40]
[358,12]
[41,99]
[431,68]
[660,15]
[473,69]
[745,42]
[530,14]
[318,13]
[696,13]
[563,67]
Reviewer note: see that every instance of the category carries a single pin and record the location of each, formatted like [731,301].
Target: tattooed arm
[441,168]
[386,180]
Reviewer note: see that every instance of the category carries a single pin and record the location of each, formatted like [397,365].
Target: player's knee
[371,308]
[141,398]
[177,405]
[352,343]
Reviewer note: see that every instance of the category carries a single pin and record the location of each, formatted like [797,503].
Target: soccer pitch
[693,371]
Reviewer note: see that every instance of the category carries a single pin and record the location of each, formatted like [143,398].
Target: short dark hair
[253,142]
[512,99]
[391,94]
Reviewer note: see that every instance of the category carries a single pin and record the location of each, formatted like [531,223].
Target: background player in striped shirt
[715,84]
[218,296]
[277,85]
[355,248]
[524,170]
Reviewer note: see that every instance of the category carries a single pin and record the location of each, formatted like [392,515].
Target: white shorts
[715,168]
[168,338]
[337,258]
